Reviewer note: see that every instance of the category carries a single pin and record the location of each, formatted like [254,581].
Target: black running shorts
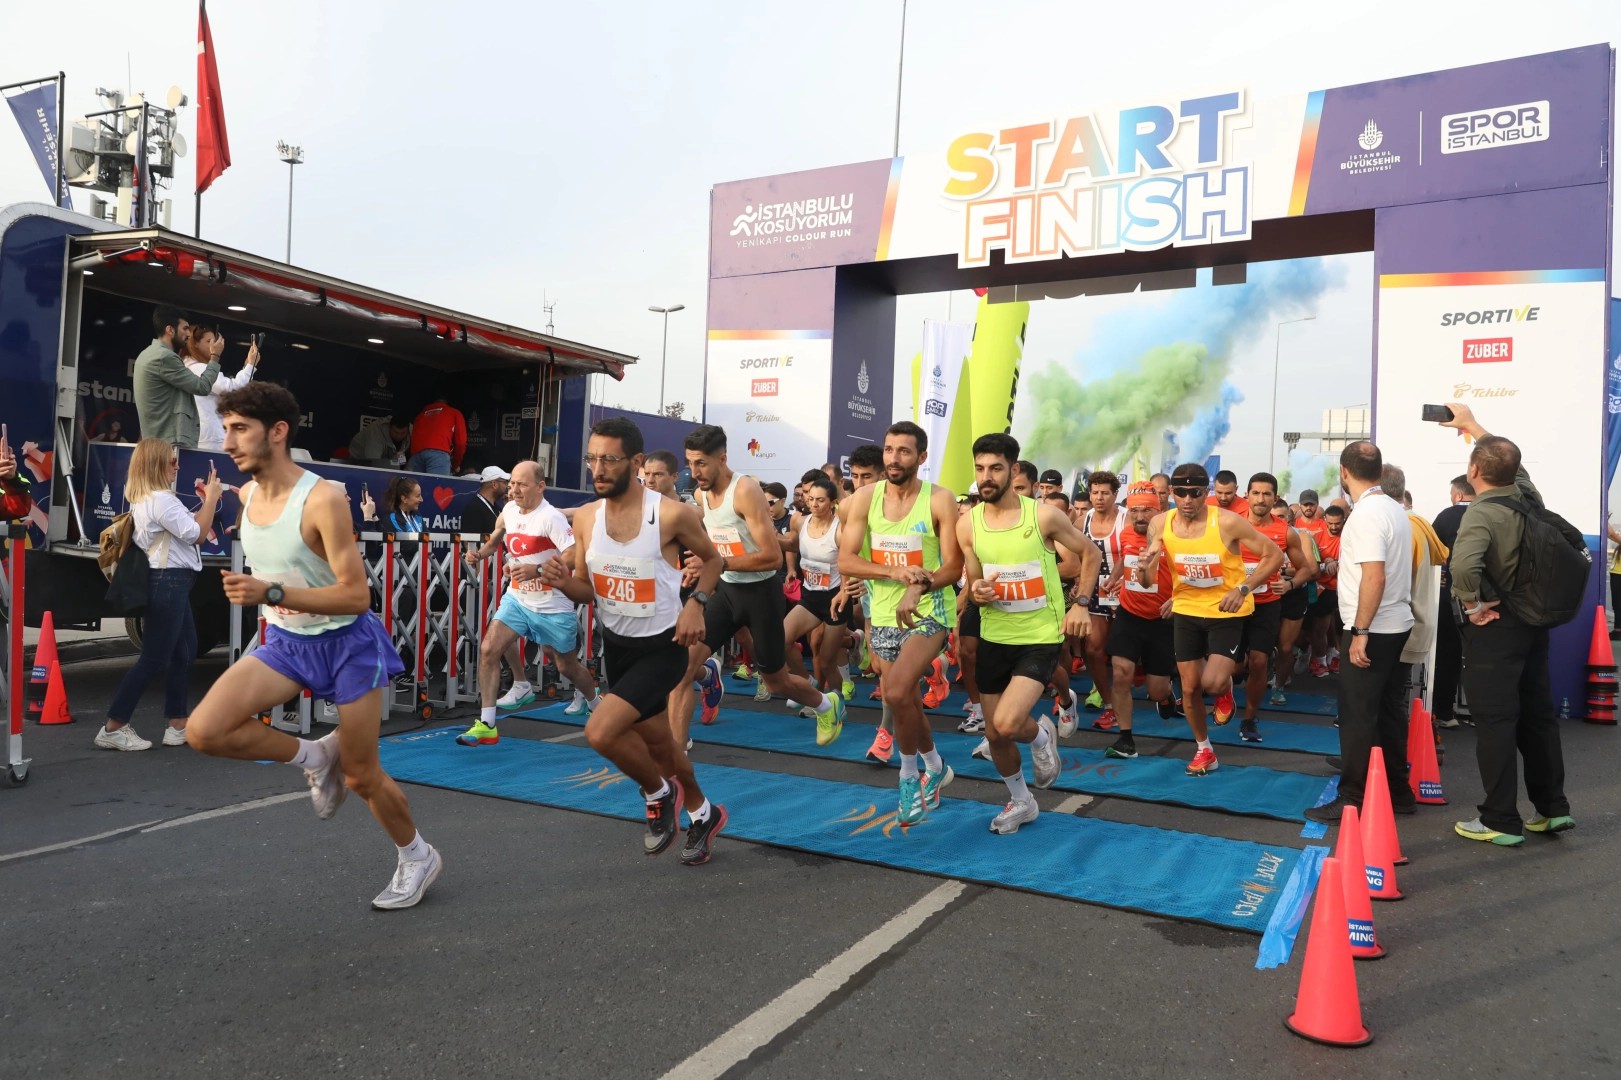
[1294,604]
[1148,642]
[968,622]
[1327,604]
[758,605]
[996,664]
[641,671]
[1262,628]
[1197,637]
[819,602]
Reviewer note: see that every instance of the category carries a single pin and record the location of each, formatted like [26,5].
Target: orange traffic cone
[1327,1008]
[1602,685]
[1380,848]
[56,700]
[39,676]
[1358,907]
[1600,654]
[1424,771]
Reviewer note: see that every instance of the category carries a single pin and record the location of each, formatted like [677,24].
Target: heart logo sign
[444,496]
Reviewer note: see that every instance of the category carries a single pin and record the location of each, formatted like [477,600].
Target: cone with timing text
[1380,849]
[45,658]
[1353,874]
[56,700]
[1327,1007]
[1424,770]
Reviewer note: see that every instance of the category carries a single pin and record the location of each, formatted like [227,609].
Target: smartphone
[259,340]
[363,495]
[1437,414]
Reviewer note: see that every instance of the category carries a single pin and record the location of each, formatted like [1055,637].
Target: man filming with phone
[206,346]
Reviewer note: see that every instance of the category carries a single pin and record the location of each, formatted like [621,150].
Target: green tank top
[910,541]
[1029,604]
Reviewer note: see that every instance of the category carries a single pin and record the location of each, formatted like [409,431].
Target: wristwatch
[1244,587]
[700,596]
[1359,631]
[275,596]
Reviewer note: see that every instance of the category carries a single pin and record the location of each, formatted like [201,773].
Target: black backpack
[1555,565]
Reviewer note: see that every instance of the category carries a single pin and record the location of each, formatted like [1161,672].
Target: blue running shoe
[709,682]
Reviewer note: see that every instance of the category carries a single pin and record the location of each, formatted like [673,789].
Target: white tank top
[819,556]
[1109,547]
[638,592]
[277,553]
[730,534]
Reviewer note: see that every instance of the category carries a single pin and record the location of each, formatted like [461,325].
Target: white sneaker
[763,693]
[327,789]
[124,738]
[520,695]
[689,745]
[982,750]
[1015,813]
[1046,763]
[174,736]
[974,723]
[578,706]
[1068,718]
[411,880]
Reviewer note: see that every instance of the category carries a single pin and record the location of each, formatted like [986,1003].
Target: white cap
[492,472]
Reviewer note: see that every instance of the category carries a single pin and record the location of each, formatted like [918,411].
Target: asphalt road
[243,945]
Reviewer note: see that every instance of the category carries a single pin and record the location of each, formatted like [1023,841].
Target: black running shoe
[1249,731]
[701,838]
[663,819]
[1167,710]
[1123,747]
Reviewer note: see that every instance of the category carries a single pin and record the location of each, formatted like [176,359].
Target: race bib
[1199,571]
[818,575]
[903,549]
[624,585]
[1249,570]
[1019,587]
[728,541]
[284,617]
[1132,584]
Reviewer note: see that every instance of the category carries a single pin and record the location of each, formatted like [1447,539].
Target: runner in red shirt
[1140,633]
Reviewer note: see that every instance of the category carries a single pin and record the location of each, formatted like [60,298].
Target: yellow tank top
[1204,571]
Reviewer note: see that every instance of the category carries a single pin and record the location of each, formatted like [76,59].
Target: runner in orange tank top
[1263,628]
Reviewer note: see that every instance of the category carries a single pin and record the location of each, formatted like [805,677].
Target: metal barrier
[13,671]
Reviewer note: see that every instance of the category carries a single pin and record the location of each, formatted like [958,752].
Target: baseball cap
[493,472]
[1051,476]
[1309,497]
[1142,493]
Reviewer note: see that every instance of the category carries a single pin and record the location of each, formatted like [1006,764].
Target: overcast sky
[481,154]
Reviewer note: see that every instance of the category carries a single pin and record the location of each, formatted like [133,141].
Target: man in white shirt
[208,344]
[1375,594]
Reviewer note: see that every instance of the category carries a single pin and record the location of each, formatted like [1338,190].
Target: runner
[909,528]
[532,532]
[1296,602]
[629,568]
[968,621]
[1224,492]
[1210,598]
[1140,633]
[1325,614]
[1162,488]
[1008,548]
[310,583]
[1264,627]
[866,466]
[1103,525]
[738,523]
[814,539]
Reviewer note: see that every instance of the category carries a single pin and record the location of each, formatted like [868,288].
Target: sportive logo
[1528,313]
[752,362]
[1488,350]
[763,388]
[799,221]
[1371,137]
[1494,128]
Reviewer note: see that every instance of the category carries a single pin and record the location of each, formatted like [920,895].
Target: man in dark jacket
[1505,671]
[483,508]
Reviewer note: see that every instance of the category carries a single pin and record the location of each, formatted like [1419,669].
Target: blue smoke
[1211,426]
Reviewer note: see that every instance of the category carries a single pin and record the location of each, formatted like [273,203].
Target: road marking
[74,843]
[1072,804]
[793,1004]
[237,808]
[570,737]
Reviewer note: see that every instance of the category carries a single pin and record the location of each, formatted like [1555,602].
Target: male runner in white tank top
[629,567]
[299,541]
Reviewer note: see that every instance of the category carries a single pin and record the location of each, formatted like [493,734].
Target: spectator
[485,506]
[205,347]
[1615,575]
[1448,644]
[1428,556]
[169,534]
[381,444]
[1375,595]
[1052,483]
[401,502]
[1505,667]
[438,439]
[165,392]
[16,499]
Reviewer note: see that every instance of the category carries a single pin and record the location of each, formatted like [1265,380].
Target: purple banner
[824,217]
[36,114]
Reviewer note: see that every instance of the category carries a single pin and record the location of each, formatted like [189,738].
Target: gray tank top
[730,534]
[277,553]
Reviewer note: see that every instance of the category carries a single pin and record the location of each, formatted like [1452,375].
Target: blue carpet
[1232,789]
[1228,883]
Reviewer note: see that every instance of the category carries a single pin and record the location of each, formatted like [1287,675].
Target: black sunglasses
[1187,492]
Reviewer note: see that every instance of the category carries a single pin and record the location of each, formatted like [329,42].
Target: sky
[484,156]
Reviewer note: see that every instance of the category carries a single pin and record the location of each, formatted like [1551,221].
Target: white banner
[1527,357]
[769,390]
[945,347]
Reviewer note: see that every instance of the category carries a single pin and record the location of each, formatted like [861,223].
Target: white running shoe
[974,723]
[520,695]
[1017,812]
[578,706]
[1068,719]
[411,880]
[1046,763]
[327,789]
[982,750]
[763,693]
[124,738]
[174,736]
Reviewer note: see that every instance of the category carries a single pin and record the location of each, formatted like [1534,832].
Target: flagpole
[61,143]
[197,218]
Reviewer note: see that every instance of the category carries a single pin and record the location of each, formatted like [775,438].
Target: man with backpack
[1514,571]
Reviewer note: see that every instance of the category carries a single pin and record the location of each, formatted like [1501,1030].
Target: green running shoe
[1094,700]
[1551,825]
[480,734]
[911,805]
[932,783]
[830,725]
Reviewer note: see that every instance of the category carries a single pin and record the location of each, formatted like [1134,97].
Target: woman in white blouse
[169,534]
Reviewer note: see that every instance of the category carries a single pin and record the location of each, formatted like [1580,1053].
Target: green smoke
[1078,423]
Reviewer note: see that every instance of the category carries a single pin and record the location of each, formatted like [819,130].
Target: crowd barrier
[13,673]
[436,609]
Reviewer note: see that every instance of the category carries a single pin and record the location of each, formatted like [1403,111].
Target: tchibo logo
[763,388]
[1528,313]
[1489,129]
[1498,350]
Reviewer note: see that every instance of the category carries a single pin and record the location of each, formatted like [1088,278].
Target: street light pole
[664,353]
[293,156]
[1277,350]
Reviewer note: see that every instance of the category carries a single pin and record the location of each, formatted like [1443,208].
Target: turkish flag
[213,148]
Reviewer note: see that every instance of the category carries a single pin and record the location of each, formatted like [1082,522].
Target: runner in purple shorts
[309,580]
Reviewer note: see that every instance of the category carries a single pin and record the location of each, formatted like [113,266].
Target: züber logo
[763,388]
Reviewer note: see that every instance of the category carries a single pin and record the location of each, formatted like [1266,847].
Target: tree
[674,409]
